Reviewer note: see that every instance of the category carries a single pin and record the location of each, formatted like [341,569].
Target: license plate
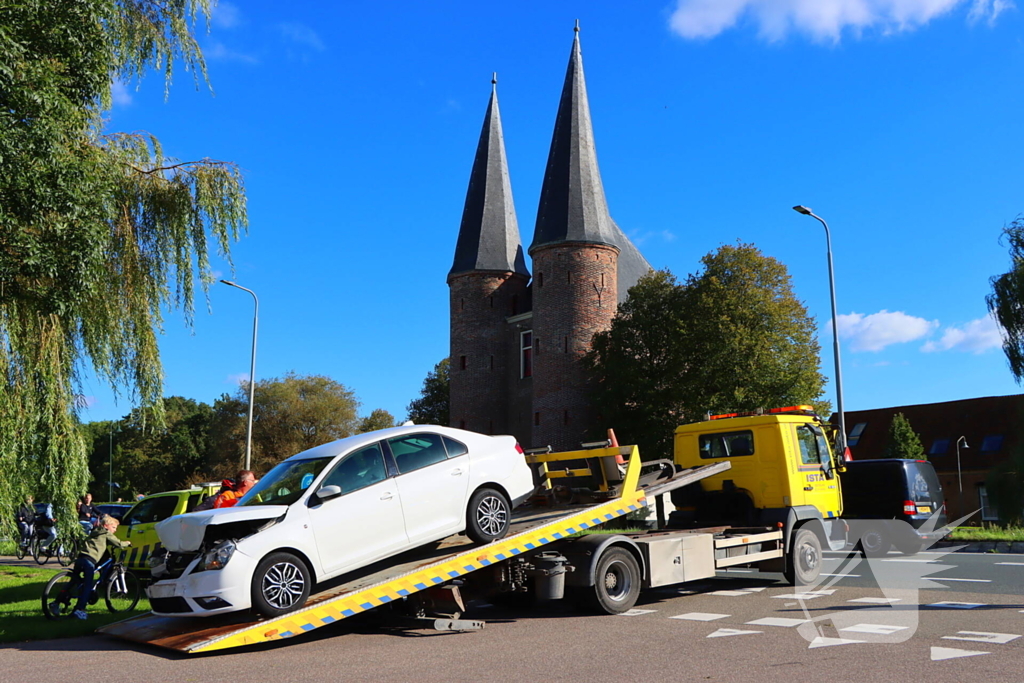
[924,508]
[161,590]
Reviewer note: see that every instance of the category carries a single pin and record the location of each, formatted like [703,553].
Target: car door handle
[456,472]
[386,496]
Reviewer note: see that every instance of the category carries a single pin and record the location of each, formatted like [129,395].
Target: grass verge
[977,533]
[21,615]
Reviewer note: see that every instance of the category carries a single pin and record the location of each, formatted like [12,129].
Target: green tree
[433,405]
[1006,302]
[903,441]
[99,232]
[290,415]
[733,337]
[378,419]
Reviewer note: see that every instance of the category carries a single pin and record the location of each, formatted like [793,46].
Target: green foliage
[378,419]
[290,415]
[1006,302]
[734,337]
[903,441]
[433,405]
[98,232]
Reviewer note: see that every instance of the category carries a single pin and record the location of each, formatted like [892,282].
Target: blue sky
[898,121]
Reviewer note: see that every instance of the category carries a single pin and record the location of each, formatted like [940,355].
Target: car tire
[280,584]
[616,584]
[873,542]
[803,564]
[488,516]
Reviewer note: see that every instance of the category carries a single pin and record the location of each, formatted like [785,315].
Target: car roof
[340,446]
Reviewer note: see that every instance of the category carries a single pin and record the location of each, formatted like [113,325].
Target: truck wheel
[280,584]
[487,516]
[616,583]
[873,542]
[803,564]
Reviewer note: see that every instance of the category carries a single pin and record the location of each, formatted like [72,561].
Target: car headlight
[217,557]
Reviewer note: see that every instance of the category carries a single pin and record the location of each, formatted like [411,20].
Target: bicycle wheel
[67,551]
[60,595]
[19,552]
[122,590]
[39,553]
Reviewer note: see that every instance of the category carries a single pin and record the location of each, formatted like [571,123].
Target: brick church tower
[583,267]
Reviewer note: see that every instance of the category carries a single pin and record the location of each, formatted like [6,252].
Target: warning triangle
[940,653]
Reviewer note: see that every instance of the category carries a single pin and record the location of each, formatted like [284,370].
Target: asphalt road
[741,625]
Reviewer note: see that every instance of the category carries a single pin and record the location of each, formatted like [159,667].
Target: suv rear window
[726,444]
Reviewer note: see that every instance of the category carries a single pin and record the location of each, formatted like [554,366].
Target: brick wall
[574,296]
[479,303]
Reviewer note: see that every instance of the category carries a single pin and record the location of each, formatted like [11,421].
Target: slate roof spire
[489,234]
[572,206]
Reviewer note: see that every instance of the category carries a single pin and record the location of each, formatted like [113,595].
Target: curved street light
[252,369]
[841,441]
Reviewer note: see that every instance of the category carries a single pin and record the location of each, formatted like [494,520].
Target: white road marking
[904,559]
[731,594]
[1012,564]
[777,621]
[983,637]
[877,629]
[946,578]
[940,653]
[852,576]
[876,601]
[957,605]
[758,589]
[636,612]
[700,616]
[724,632]
[821,641]
[809,595]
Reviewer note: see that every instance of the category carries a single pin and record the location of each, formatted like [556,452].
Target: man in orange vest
[244,481]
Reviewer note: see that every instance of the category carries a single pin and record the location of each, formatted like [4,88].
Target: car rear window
[417,451]
[455,448]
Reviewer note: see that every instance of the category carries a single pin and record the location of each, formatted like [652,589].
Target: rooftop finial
[577,27]
[494,81]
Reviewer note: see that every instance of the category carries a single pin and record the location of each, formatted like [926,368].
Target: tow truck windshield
[285,484]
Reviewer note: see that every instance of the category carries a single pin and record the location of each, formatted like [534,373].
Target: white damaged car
[334,509]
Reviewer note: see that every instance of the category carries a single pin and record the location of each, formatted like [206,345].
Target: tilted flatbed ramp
[400,576]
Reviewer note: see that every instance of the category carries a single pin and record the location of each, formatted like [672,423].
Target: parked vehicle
[336,508]
[893,502]
[115,510]
[138,524]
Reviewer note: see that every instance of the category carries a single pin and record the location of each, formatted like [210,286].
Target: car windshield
[284,484]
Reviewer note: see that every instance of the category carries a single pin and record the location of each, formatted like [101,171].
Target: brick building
[988,431]
[517,341]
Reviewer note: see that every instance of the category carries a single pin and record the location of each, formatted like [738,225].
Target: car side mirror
[328,492]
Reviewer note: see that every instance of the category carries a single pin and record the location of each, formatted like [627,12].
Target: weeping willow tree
[100,233]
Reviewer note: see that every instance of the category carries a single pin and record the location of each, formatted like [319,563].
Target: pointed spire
[573,207]
[489,234]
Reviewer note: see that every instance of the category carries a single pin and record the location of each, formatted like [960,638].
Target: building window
[540,279]
[536,418]
[992,443]
[462,424]
[490,426]
[855,433]
[462,362]
[490,300]
[939,447]
[565,417]
[492,362]
[515,304]
[526,354]
[988,513]
[566,345]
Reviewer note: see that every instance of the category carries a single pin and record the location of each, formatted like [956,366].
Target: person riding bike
[26,516]
[46,527]
[100,540]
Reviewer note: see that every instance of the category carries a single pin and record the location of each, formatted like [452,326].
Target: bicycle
[64,549]
[25,543]
[120,588]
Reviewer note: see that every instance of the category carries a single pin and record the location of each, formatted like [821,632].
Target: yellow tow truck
[784,474]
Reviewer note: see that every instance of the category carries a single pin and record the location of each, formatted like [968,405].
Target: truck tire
[803,563]
[280,584]
[488,516]
[616,584]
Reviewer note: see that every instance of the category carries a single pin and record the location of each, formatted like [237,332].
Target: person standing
[88,515]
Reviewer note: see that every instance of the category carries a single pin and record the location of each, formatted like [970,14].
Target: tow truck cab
[783,473]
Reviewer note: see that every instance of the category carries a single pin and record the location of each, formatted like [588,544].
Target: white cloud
[303,35]
[218,51]
[976,336]
[227,15]
[876,331]
[238,380]
[821,19]
[120,95]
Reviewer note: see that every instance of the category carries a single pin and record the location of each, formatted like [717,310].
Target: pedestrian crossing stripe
[350,604]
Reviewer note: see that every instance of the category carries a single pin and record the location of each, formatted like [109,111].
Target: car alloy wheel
[492,515]
[283,585]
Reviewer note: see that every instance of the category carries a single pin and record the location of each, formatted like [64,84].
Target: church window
[540,279]
[526,354]
[462,362]
[536,418]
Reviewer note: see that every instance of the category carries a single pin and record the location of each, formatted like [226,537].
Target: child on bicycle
[100,540]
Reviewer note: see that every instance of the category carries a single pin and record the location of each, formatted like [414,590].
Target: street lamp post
[841,441]
[252,369]
[959,476]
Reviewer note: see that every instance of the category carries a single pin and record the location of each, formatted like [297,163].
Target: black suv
[880,494]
